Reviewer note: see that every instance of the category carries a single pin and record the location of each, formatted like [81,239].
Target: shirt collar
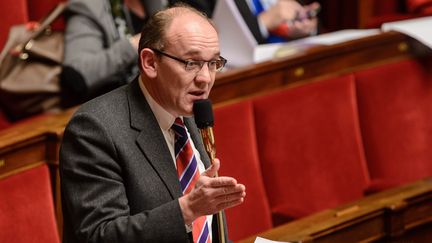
[163,117]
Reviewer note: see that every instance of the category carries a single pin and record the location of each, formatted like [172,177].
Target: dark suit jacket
[118,179]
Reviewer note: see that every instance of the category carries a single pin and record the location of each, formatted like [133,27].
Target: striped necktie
[188,173]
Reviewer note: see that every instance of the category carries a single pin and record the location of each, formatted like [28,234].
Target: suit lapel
[151,140]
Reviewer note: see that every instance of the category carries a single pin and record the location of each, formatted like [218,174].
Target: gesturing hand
[280,12]
[211,194]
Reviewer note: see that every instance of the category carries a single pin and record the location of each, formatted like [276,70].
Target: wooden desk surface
[32,142]
[391,213]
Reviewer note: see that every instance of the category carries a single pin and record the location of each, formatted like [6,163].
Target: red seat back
[38,9]
[419,6]
[395,110]
[27,207]
[386,7]
[310,147]
[12,12]
[396,10]
[237,150]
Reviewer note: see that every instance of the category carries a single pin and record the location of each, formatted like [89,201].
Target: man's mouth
[197,93]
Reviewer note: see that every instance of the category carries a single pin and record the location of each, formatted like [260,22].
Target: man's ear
[148,62]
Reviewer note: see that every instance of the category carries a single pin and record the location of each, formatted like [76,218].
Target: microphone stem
[209,142]
[221,227]
[209,145]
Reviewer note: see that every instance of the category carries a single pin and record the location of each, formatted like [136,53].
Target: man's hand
[282,11]
[211,194]
[306,22]
[289,19]
[302,28]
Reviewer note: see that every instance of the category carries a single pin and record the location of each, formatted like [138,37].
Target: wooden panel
[247,87]
[20,156]
[419,211]
[368,228]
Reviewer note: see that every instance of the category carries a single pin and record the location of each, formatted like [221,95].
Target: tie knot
[179,121]
[179,128]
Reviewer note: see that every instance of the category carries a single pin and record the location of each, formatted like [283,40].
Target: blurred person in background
[101,43]
[271,20]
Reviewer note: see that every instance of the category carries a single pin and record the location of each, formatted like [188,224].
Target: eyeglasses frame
[186,62]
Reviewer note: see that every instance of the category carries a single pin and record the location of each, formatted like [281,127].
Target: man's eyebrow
[194,52]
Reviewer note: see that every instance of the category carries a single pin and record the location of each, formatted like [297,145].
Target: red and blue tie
[188,173]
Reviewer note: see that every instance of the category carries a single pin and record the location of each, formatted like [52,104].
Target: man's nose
[204,74]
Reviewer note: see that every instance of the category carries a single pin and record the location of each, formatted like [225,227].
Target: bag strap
[48,20]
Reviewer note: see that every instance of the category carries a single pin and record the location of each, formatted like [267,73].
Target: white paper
[265,52]
[262,240]
[237,43]
[419,28]
[340,36]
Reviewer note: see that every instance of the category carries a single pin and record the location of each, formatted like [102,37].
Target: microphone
[204,120]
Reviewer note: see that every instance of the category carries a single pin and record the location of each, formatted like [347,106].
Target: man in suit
[117,162]
[101,43]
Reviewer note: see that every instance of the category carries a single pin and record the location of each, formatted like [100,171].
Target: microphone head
[203,113]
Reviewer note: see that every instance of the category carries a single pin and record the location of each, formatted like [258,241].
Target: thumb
[213,169]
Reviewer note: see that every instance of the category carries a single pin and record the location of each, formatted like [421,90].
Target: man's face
[189,37]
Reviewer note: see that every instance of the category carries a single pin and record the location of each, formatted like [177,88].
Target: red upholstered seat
[12,12]
[27,208]
[395,110]
[419,6]
[40,8]
[236,148]
[395,10]
[310,147]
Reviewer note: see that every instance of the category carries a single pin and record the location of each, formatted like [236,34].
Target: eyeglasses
[195,65]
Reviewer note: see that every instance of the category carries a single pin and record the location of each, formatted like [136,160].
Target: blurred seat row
[322,144]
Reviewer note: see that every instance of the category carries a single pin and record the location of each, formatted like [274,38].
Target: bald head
[178,51]
[154,32]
